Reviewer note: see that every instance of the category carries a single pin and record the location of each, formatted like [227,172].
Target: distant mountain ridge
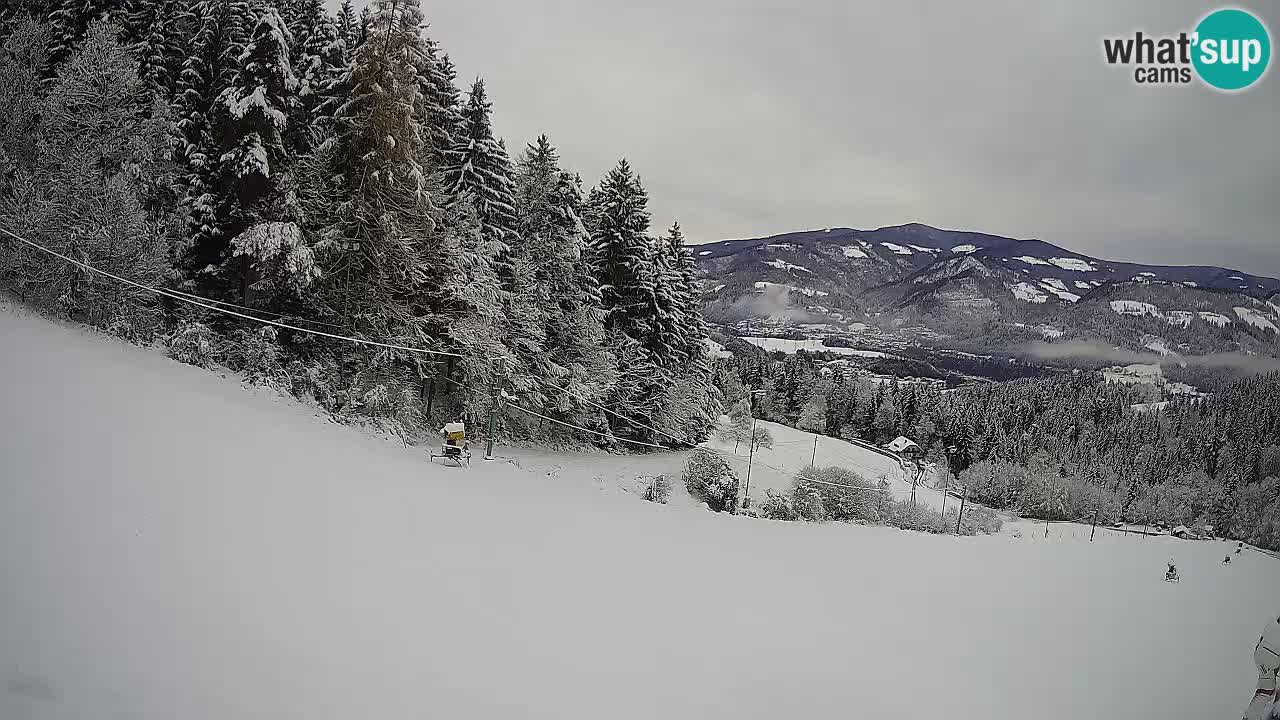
[928,244]
[963,287]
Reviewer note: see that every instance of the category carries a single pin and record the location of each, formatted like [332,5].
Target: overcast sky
[752,117]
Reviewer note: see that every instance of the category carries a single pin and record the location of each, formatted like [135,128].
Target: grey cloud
[1092,350]
[750,117]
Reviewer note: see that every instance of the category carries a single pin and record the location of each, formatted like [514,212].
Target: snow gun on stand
[455,446]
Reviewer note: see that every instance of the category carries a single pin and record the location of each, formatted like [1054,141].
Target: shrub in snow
[978,519]
[658,490]
[709,479]
[777,506]
[193,343]
[844,494]
[808,505]
[902,514]
[257,354]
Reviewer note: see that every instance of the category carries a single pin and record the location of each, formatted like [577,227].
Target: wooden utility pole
[963,500]
[751,448]
[814,458]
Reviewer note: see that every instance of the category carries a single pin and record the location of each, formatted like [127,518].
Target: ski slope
[174,545]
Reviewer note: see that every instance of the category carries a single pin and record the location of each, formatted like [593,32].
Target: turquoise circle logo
[1232,49]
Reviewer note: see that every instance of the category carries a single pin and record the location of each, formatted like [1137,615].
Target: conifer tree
[444,116]
[574,369]
[479,171]
[370,203]
[222,30]
[623,259]
[319,56]
[253,116]
[159,32]
[70,19]
[348,26]
[622,254]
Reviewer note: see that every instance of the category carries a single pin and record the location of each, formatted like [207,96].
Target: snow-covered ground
[173,545]
[1256,319]
[1133,307]
[793,346]
[1074,264]
[776,467]
[1215,319]
[1028,292]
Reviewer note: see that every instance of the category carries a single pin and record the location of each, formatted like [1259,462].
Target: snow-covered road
[173,545]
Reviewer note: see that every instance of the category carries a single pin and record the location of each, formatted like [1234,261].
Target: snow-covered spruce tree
[668,335]
[82,196]
[622,257]
[404,269]
[222,30]
[444,115]
[366,20]
[348,26]
[471,308]
[318,55]
[158,35]
[553,272]
[622,254]
[692,403]
[252,119]
[70,20]
[478,170]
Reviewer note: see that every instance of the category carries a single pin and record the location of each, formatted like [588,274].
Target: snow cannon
[455,447]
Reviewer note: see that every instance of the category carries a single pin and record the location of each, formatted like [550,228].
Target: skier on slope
[1265,704]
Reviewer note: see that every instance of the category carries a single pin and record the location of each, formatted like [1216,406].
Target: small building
[903,446]
[1181,532]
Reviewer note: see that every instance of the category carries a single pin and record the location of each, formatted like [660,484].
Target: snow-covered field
[793,346]
[1256,319]
[173,545]
[793,450]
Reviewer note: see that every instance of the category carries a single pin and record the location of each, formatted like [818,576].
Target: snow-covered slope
[173,545]
[793,450]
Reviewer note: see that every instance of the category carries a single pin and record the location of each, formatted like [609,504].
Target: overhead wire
[208,306]
[217,306]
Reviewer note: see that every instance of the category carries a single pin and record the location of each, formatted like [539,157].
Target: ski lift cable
[268,313]
[608,436]
[182,298]
[208,305]
[623,417]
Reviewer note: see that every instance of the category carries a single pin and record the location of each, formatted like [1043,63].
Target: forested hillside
[327,172]
[1058,448]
